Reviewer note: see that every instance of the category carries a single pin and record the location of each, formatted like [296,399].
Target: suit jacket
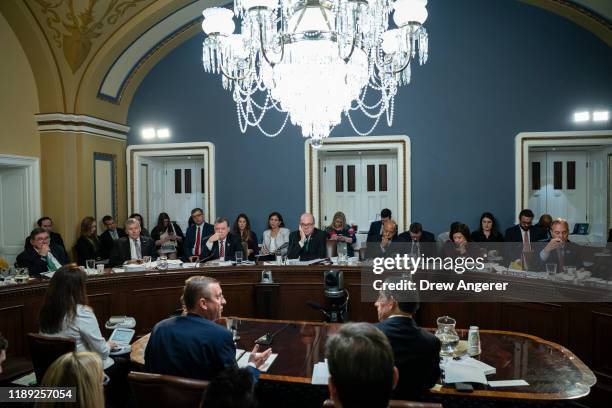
[374,250]
[56,239]
[281,238]
[316,248]
[85,250]
[121,250]
[515,234]
[190,238]
[427,243]
[190,346]
[30,259]
[232,244]
[571,257]
[374,231]
[417,356]
[107,241]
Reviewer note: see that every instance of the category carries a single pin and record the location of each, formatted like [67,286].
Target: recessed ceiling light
[601,116]
[580,117]
[148,133]
[163,133]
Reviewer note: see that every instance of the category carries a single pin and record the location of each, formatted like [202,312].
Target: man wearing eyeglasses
[193,345]
[308,242]
[42,255]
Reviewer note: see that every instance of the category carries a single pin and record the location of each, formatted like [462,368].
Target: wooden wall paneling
[239,299]
[149,306]
[266,300]
[12,328]
[545,320]
[293,300]
[101,305]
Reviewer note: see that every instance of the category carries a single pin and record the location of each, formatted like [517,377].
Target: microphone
[319,307]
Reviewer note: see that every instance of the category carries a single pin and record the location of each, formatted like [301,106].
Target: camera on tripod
[335,309]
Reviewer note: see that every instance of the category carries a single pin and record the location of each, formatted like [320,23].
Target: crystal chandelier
[314,59]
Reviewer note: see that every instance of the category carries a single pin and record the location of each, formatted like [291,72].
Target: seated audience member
[387,244]
[444,237]
[308,242]
[242,229]
[416,351]
[88,246]
[143,230]
[193,345]
[487,230]
[524,231]
[3,347]
[167,236]
[460,245]
[559,250]
[108,237]
[222,244]
[376,227]
[341,232]
[544,226]
[418,240]
[80,370]
[42,255]
[46,223]
[361,367]
[232,388]
[196,235]
[276,238]
[133,248]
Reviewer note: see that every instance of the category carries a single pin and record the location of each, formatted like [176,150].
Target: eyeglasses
[307,225]
[41,239]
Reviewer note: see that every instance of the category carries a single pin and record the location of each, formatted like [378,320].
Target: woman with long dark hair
[167,236]
[242,229]
[459,245]
[276,236]
[88,245]
[487,230]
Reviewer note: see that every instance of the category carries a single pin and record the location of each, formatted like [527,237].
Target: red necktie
[196,250]
[222,249]
[526,246]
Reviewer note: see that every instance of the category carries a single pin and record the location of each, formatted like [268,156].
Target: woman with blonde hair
[341,232]
[81,370]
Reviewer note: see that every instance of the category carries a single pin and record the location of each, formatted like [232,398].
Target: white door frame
[135,152]
[400,144]
[32,166]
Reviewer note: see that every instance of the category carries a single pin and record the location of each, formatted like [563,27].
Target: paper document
[239,353]
[488,370]
[457,371]
[320,374]
[508,383]
[244,361]
[48,274]
[28,380]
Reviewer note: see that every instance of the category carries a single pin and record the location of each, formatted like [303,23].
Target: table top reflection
[552,371]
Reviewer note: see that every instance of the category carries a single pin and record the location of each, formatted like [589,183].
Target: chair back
[157,390]
[44,350]
[398,404]
[331,246]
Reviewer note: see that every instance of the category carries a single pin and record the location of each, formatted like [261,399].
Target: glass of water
[239,256]
[162,262]
[91,265]
[147,261]
[448,335]
[551,269]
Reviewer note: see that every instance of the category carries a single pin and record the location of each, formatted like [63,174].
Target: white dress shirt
[133,252]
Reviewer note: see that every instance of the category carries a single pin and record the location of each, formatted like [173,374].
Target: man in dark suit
[559,250]
[416,351]
[193,345]
[133,247]
[222,244]
[419,241]
[376,227]
[46,223]
[388,244]
[196,235]
[108,237]
[42,255]
[524,234]
[308,242]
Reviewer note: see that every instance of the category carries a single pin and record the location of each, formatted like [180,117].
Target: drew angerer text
[425,285]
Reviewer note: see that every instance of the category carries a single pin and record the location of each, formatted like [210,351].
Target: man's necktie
[222,249]
[114,235]
[307,244]
[196,250]
[138,251]
[50,264]
[560,259]
[526,245]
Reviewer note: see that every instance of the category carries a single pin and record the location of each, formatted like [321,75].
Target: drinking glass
[100,268]
[447,334]
[147,261]
[569,270]
[551,269]
[162,262]
[22,275]
[279,259]
[91,265]
[342,253]
[239,256]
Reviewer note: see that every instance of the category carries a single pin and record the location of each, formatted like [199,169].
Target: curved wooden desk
[552,371]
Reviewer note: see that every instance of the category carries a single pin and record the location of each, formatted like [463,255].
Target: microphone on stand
[319,307]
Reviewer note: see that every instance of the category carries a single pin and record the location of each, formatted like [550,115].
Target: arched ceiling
[96,53]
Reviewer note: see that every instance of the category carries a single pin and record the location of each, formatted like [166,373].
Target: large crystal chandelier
[314,59]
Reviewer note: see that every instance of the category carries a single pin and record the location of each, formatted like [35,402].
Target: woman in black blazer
[487,230]
[88,246]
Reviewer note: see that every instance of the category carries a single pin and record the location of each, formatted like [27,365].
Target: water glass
[569,270]
[162,262]
[91,265]
[279,259]
[447,334]
[551,269]
[22,275]
[147,261]
[239,256]
[100,268]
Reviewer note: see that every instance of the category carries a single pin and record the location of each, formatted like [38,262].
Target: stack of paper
[466,369]
[243,361]
[320,374]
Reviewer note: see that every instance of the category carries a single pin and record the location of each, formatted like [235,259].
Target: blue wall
[496,68]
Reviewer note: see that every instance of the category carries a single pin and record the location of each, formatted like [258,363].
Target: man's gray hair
[132,221]
[196,287]
[220,220]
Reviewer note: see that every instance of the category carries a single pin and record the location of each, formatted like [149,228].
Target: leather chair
[399,404]
[331,246]
[156,390]
[44,350]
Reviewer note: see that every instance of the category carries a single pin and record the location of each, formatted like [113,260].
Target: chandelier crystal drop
[314,59]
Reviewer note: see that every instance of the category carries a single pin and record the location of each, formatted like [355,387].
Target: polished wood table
[552,371]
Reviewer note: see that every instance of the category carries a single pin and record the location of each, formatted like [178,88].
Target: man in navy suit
[222,244]
[559,250]
[42,255]
[525,234]
[386,245]
[196,235]
[193,345]
[418,240]
[416,351]
[376,227]
[108,237]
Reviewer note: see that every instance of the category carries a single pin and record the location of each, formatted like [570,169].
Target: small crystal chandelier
[314,59]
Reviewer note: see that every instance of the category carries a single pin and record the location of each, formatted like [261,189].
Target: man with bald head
[307,242]
[385,245]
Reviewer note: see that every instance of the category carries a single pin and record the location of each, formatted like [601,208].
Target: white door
[157,192]
[143,207]
[598,195]
[14,225]
[566,195]
[537,182]
[359,187]
[184,189]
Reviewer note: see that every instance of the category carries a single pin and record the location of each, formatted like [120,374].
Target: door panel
[183,189]
[13,216]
